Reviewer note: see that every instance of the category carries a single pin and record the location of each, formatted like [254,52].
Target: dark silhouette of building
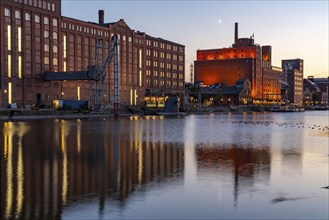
[316,91]
[240,94]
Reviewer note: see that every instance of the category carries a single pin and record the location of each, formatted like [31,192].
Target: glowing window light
[19,66]
[9,37]
[9,93]
[9,66]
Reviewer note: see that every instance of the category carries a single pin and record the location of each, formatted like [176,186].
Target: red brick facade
[35,38]
[244,60]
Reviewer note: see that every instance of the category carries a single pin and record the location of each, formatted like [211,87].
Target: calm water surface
[235,166]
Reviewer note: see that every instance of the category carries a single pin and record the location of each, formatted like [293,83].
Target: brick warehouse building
[244,59]
[294,73]
[36,38]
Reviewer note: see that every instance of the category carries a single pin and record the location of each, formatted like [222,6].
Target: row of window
[221,51]
[46,61]
[46,48]
[162,46]
[162,65]
[162,55]
[162,74]
[221,57]
[27,17]
[162,83]
[38,4]
[84,29]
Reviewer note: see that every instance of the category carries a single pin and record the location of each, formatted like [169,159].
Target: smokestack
[101,16]
[236,34]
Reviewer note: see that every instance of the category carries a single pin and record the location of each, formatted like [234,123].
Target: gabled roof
[231,90]
[242,80]
[309,83]
[211,90]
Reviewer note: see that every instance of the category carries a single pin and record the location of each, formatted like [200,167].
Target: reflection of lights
[140,163]
[79,135]
[134,118]
[9,192]
[20,178]
[5,141]
[63,147]
[138,146]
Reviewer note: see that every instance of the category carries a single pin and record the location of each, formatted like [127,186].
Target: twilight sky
[294,29]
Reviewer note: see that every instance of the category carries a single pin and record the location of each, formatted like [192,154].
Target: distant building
[294,72]
[244,59]
[35,38]
[316,91]
[240,94]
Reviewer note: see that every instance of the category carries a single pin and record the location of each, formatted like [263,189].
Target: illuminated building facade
[36,38]
[294,73]
[244,59]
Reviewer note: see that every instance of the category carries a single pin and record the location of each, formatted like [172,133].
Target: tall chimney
[101,16]
[236,34]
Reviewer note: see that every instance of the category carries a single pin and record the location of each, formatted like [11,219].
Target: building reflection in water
[48,165]
[248,164]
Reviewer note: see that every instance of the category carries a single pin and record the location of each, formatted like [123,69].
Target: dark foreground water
[240,166]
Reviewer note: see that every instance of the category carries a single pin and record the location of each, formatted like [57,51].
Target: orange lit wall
[227,53]
[226,71]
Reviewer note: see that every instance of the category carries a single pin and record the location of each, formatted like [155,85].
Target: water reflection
[199,166]
[42,174]
[246,164]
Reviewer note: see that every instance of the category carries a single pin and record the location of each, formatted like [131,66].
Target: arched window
[27,17]
[55,23]
[7,12]
[46,20]
[55,36]
[46,34]
[55,61]
[46,48]
[37,19]
[46,60]
[17,14]
[55,49]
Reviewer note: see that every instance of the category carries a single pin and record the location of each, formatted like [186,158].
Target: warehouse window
[7,12]
[17,14]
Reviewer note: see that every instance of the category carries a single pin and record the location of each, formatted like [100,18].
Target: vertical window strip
[9,66]
[131,97]
[78,92]
[135,101]
[64,45]
[19,66]
[19,39]
[9,93]
[140,67]
[9,37]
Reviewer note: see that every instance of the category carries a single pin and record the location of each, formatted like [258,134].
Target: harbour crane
[100,97]
[98,74]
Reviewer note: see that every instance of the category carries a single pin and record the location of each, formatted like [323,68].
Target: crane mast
[100,94]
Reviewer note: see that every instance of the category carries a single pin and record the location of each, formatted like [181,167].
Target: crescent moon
[219,21]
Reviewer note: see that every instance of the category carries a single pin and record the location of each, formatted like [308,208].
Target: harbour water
[238,166]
